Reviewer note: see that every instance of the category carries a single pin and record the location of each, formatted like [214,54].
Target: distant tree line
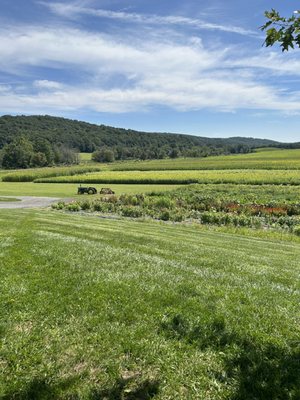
[22,153]
[109,143]
[106,154]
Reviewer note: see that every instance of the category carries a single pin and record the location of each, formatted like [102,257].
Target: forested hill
[125,143]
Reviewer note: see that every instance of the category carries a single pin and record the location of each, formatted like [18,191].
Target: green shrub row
[168,207]
[30,175]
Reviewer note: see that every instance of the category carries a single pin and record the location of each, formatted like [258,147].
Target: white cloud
[131,74]
[45,84]
[273,62]
[71,10]
[206,93]
[100,53]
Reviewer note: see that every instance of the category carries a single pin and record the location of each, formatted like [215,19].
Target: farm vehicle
[88,190]
[93,190]
[106,191]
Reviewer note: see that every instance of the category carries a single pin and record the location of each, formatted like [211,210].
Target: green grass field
[7,199]
[288,177]
[116,309]
[70,190]
[262,159]
[85,156]
[104,307]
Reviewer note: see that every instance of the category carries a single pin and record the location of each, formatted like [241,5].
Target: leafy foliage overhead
[282,30]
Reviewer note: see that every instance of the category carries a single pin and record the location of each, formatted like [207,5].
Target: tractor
[88,190]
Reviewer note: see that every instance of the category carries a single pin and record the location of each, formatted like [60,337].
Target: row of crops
[30,175]
[256,177]
[262,166]
[195,204]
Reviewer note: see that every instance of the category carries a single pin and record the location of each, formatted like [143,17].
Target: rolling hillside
[86,137]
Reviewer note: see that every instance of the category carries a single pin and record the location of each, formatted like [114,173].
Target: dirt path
[27,201]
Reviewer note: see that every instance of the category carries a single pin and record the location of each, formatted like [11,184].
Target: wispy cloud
[221,96]
[123,74]
[273,62]
[101,53]
[71,10]
[45,84]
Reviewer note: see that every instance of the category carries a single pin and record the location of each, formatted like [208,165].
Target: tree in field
[282,30]
[17,154]
[22,153]
[174,153]
[103,155]
[65,155]
[38,160]
[42,146]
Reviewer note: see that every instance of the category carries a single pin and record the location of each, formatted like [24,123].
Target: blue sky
[195,67]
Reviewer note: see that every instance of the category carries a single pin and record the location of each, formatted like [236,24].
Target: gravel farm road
[27,201]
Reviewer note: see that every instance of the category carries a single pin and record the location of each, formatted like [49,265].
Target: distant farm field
[85,157]
[259,177]
[117,309]
[263,159]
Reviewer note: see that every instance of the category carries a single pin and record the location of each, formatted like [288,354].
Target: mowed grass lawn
[7,199]
[117,309]
[70,190]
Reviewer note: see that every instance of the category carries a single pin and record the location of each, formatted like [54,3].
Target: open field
[204,305]
[270,159]
[263,159]
[256,177]
[70,190]
[85,157]
[96,309]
